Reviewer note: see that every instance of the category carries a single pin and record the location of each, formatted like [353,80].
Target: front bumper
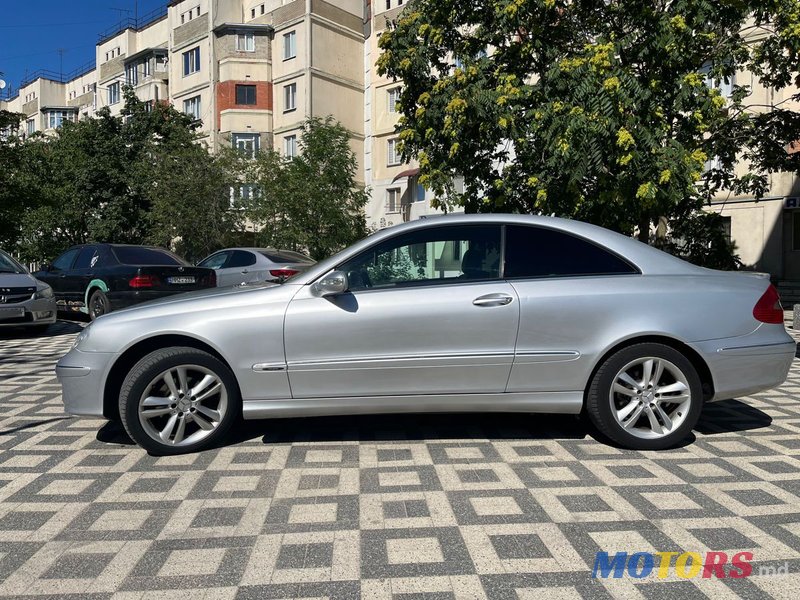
[82,376]
[41,311]
[744,367]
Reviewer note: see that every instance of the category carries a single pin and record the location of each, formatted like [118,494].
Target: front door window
[428,257]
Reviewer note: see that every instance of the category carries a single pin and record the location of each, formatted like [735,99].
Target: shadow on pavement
[727,416]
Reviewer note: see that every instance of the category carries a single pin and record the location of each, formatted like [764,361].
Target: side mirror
[45,268]
[332,284]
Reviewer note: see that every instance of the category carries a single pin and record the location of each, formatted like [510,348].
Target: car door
[426,313]
[81,274]
[56,275]
[239,268]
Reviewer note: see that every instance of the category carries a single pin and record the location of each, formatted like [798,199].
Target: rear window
[134,255]
[286,256]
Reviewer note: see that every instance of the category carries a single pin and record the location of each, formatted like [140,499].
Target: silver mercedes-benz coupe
[501,313]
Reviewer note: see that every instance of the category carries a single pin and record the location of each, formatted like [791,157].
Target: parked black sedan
[98,278]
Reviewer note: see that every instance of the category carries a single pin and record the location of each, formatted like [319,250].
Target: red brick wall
[226,96]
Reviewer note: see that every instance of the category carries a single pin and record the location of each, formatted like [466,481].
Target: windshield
[9,265]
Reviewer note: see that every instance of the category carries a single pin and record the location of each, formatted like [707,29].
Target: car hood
[189,297]
[9,280]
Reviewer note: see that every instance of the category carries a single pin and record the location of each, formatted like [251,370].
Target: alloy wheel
[650,397]
[183,405]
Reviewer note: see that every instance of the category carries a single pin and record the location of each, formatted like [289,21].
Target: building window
[289,97]
[191,107]
[262,9]
[394,97]
[245,42]
[113,93]
[31,126]
[246,94]
[393,152]
[289,45]
[191,61]
[388,4]
[290,146]
[393,200]
[725,224]
[146,68]
[131,74]
[56,118]
[419,191]
[246,143]
[148,106]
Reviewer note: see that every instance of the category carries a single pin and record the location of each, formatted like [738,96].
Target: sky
[32,31]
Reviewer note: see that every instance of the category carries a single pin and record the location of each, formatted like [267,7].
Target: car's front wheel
[647,397]
[179,400]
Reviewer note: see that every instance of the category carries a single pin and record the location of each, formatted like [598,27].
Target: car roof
[649,260]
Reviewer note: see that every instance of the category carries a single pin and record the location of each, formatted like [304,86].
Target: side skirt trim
[541,402]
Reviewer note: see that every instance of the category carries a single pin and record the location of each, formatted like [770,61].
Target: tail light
[768,309]
[143,281]
[283,273]
[209,280]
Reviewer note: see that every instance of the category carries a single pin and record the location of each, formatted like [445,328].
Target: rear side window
[543,252]
[215,261]
[86,258]
[240,258]
[285,256]
[135,255]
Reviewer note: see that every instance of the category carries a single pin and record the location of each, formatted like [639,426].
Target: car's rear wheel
[99,305]
[179,400]
[646,397]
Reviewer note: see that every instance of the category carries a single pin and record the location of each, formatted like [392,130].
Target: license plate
[11,313]
[180,280]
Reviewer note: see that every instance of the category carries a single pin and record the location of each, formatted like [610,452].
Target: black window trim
[432,282]
[635,270]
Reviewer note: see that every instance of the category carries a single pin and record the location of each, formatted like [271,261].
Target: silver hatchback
[459,313]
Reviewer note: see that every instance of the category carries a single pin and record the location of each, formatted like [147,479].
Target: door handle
[62,276]
[493,300]
[245,272]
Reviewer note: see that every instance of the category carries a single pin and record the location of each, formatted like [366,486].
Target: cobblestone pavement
[408,507]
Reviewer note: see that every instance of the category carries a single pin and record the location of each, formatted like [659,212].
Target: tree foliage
[310,202]
[138,178]
[592,109]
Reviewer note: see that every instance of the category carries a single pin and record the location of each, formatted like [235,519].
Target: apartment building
[251,71]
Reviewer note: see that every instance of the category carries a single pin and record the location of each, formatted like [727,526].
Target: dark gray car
[24,300]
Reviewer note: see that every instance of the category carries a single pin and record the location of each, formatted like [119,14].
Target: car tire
[174,418]
[645,407]
[99,305]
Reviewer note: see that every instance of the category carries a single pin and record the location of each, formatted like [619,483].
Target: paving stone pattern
[391,507]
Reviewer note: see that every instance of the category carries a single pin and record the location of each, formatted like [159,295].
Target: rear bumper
[82,377]
[35,312]
[741,366]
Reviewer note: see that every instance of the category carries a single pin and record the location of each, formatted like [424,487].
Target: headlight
[43,293]
[81,337]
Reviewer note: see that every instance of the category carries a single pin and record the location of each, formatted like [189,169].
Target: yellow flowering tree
[624,113]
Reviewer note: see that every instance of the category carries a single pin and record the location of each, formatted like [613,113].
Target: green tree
[312,202]
[142,177]
[594,110]
[10,189]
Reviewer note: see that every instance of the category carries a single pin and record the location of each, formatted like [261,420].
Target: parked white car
[240,266]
